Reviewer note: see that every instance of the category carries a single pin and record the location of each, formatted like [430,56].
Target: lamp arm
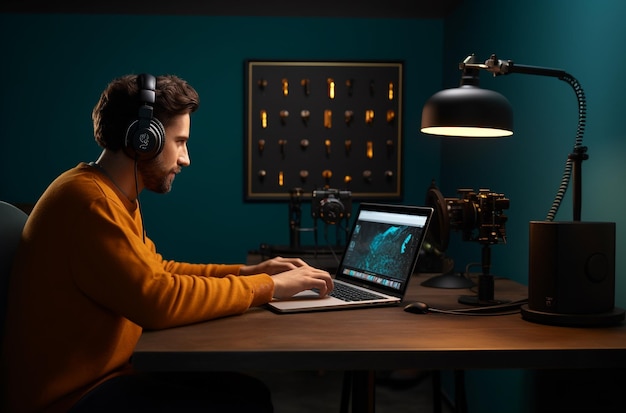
[504,67]
[574,160]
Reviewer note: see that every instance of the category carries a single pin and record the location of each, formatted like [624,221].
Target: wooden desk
[382,339]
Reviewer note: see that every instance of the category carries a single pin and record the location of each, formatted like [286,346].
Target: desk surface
[382,338]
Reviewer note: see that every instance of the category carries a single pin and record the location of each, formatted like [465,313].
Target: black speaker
[146,135]
[572,273]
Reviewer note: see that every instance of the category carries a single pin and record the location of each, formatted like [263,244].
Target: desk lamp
[571,264]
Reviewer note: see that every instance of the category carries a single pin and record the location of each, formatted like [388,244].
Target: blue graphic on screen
[381,253]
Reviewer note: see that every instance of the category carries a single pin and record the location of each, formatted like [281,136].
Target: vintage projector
[330,206]
[479,216]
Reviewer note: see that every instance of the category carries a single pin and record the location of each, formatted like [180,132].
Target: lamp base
[571,267]
[450,280]
[615,316]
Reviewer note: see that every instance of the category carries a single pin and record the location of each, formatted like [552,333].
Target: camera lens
[331,210]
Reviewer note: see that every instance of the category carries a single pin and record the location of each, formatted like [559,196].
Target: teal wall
[585,39]
[55,66]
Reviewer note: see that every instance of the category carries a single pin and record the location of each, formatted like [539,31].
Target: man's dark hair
[118,106]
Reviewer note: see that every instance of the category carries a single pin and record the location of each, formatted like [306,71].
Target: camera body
[331,205]
[479,215]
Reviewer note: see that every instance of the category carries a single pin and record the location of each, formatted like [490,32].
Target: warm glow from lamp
[467,132]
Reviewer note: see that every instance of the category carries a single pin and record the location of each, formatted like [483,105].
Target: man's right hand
[289,283]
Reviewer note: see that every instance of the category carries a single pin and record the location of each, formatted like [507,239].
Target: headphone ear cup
[145,136]
[144,139]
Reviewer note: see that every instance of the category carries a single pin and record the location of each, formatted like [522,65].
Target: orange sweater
[84,285]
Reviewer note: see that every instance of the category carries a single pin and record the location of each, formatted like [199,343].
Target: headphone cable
[143,228]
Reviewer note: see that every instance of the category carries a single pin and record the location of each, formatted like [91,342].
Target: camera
[331,205]
[479,215]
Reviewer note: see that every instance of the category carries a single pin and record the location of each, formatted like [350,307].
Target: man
[87,279]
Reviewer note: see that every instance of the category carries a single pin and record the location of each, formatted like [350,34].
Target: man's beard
[155,176]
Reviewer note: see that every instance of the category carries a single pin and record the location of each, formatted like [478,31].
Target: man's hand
[291,282]
[291,275]
[273,266]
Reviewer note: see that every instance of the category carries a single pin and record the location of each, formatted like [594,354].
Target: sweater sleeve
[119,271]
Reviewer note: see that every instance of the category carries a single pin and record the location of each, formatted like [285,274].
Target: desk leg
[346,391]
[359,387]
[436,381]
[460,397]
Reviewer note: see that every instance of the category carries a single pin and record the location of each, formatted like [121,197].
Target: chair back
[12,220]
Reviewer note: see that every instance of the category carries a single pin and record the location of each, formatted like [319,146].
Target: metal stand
[485,295]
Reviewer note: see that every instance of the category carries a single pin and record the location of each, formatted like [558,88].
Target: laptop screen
[382,249]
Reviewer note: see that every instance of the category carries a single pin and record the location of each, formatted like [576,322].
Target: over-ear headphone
[146,135]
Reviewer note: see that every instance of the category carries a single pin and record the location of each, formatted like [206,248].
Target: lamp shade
[468,111]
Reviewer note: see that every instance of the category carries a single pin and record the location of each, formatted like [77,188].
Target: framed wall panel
[323,125]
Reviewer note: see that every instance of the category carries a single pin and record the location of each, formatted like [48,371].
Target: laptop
[379,257]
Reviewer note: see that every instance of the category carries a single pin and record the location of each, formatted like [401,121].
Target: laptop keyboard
[346,293]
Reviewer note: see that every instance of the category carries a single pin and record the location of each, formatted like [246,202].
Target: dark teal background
[585,39]
[55,66]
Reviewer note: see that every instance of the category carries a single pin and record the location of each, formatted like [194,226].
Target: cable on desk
[495,310]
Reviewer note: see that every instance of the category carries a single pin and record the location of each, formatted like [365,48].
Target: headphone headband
[147,88]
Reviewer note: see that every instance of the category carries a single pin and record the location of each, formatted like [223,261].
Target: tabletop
[382,338]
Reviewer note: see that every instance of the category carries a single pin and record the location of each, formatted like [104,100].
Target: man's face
[157,175]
